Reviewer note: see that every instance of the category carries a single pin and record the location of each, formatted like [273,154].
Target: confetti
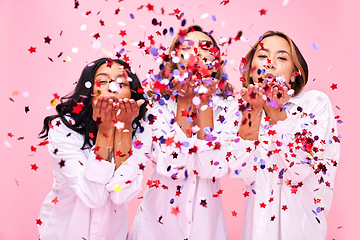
[117,188]
[262,11]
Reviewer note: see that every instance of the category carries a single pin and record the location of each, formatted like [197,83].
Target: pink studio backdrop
[323,30]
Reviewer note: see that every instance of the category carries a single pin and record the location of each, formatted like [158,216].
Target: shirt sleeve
[173,151]
[77,168]
[212,156]
[127,180]
[305,146]
[243,160]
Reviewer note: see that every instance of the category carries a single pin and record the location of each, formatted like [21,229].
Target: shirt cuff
[99,171]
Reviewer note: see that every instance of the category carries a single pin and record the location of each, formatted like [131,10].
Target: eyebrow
[188,40]
[105,74]
[279,51]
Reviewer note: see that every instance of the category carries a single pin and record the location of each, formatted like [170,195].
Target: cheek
[125,93]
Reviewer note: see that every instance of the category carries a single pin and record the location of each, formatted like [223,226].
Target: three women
[286,149]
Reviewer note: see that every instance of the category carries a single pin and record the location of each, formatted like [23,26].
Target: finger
[140,102]
[96,110]
[133,105]
[127,104]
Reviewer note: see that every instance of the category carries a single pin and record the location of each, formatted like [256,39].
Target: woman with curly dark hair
[95,162]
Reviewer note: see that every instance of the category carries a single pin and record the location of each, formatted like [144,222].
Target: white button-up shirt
[86,201]
[183,198]
[289,172]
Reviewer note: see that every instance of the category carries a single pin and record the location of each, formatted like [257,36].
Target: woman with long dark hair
[292,145]
[95,163]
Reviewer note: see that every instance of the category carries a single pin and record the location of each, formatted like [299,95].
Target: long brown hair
[296,56]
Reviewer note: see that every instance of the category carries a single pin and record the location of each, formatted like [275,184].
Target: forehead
[275,43]
[197,36]
[115,69]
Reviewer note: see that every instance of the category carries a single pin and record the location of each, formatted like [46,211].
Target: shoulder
[311,99]
[59,131]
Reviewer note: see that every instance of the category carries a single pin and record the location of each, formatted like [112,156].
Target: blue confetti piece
[281,173]
[186,144]
[162,140]
[315,46]
[318,209]
[161,102]
[165,31]
[132,16]
[237,172]
[172,121]
[224,76]
[154,51]
[168,168]
[207,130]
[171,30]
[172,201]
[260,38]
[176,72]
[183,22]
[213,18]
[189,119]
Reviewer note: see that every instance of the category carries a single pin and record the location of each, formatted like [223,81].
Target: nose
[270,66]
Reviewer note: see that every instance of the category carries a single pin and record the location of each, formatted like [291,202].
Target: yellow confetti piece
[117,188]
[53,102]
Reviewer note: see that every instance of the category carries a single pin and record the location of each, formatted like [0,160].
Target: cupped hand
[126,110]
[254,96]
[104,112]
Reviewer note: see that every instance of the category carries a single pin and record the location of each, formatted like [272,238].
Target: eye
[103,82]
[282,58]
[262,56]
[185,48]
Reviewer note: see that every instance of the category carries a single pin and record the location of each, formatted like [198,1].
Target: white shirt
[287,196]
[83,203]
[183,198]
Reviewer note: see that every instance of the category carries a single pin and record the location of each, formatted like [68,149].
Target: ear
[293,77]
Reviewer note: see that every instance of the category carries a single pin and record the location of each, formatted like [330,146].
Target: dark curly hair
[84,123]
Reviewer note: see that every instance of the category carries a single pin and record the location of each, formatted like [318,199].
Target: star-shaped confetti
[34,167]
[32,49]
[175,211]
[333,86]
[262,11]
[47,39]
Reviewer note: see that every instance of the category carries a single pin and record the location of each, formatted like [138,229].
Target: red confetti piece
[262,11]
[32,49]
[34,167]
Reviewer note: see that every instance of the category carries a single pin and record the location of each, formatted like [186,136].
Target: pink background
[331,25]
